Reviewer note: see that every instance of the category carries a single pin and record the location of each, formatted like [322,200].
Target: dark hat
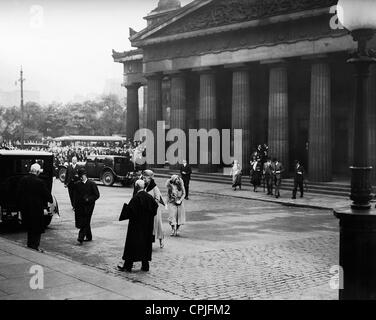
[81,172]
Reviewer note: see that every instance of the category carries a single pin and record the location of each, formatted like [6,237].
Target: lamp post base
[357,253]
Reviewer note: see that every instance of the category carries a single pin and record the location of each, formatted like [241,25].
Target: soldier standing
[277,173]
[298,179]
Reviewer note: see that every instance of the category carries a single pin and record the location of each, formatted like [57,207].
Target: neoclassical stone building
[274,68]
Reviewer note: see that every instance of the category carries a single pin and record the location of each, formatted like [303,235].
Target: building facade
[276,69]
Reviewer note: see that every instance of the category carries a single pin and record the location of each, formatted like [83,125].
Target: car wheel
[108,178]
[47,220]
[61,174]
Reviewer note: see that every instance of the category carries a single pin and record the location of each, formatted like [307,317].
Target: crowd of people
[268,172]
[64,154]
[144,211]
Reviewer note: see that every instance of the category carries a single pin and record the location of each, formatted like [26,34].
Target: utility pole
[21,80]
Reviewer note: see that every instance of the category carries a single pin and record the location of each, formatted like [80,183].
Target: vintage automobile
[106,168]
[14,165]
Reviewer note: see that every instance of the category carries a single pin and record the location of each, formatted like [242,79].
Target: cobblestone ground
[229,249]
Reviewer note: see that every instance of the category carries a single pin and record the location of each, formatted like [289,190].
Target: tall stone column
[371,106]
[154,101]
[133,118]
[208,112]
[278,131]
[178,101]
[241,112]
[179,108]
[320,134]
[154,110]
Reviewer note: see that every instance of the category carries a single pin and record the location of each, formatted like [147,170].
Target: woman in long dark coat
[140,211]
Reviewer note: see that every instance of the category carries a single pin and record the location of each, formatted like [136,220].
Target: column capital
[176,73]
[134,85]
[314,58]
[273,63]
[154,76]
[237,67]
[204,70]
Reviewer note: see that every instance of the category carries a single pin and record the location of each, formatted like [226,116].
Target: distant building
[114,87]
[12,98]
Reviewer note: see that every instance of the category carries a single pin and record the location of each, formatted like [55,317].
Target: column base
[357,253]
[361,188]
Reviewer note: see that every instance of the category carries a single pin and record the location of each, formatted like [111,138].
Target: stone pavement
[230,248]
[310,200]
[63,279]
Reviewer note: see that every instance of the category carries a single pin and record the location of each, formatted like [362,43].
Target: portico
[277,72]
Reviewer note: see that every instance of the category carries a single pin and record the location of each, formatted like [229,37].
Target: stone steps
[332,188]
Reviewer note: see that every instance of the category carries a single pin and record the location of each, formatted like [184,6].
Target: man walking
[34,196]
[71,177]
[140,211]
[185,172]
[268,176]
[86,193]
[298,180]
[277,173]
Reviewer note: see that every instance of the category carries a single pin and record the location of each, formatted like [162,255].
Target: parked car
[106,168]
[15,165]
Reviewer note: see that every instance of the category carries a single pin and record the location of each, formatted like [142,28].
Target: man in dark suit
[86,193]
[34,197]
[277,173]
[71,177]
[186,171]
[298,180]
[140,211]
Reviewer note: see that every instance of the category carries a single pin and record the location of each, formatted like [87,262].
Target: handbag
[124,213]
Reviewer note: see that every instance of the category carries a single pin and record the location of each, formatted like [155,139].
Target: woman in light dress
[153,190]
[236,173]
[176,195]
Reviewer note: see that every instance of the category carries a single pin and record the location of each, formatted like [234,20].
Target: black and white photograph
[188,153]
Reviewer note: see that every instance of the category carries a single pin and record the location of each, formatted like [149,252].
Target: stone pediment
[203,14]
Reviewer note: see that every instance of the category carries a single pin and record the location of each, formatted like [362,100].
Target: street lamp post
[358,222]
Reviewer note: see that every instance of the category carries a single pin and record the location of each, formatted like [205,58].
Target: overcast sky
[65,45]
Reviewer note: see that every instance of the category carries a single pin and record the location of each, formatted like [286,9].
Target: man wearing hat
[34,196]
[86,193]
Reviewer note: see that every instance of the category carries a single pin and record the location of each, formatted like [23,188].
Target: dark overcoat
[71,175]
[33,195]
[85,196]
[141,211]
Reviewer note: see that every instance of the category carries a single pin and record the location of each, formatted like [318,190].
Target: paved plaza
[230,248]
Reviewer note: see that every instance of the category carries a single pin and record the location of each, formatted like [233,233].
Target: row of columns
[320,148]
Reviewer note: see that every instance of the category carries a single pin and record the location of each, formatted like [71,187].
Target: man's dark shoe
[145,267]
[123,268]
[88,240]
[80,241]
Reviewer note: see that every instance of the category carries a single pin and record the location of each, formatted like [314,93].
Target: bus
[91,141]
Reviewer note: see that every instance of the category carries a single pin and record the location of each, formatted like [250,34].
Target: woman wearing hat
[176,195]
[152,188]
